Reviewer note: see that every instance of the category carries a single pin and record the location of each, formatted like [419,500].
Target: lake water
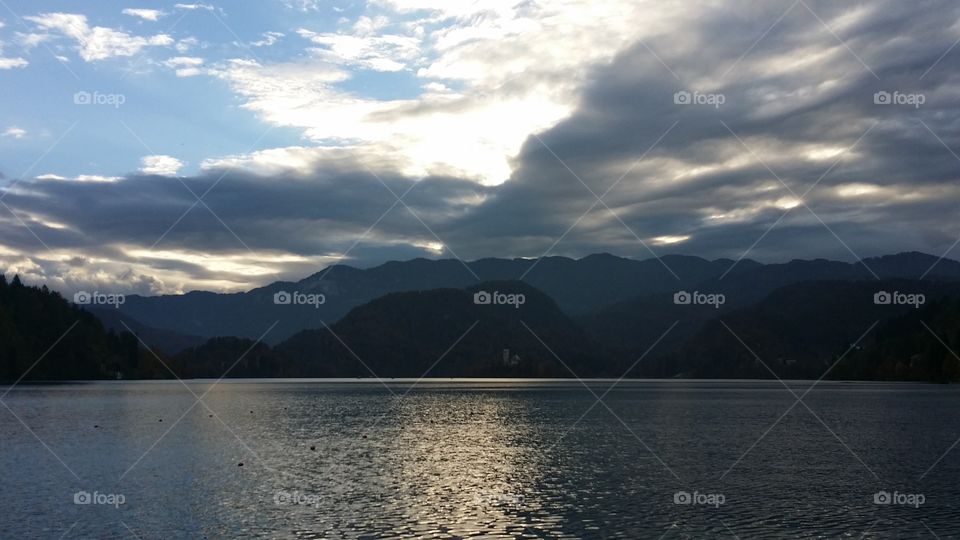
[485,459]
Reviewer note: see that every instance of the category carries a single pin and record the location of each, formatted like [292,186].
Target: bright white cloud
[145,14]
[379,53]
[96,178]
[191,7]
[15,132]
[160,165]
[97,42]
[185,66]
[10,63]
[87,178]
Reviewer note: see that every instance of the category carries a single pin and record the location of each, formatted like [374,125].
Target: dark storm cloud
[782,112]
[795,100]
[305,215]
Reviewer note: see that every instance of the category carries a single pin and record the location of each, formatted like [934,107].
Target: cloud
[185,66]
[11,62]
[389,52]
[97,43]
[250,228]
[492,73]
[15,132]
[160,165]
[269,38]
[192,7]
[31,40]
[707,189]
[186,44]
[145,14]
[550,107]
[304,5]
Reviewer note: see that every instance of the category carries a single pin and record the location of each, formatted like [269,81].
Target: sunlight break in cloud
[491,76]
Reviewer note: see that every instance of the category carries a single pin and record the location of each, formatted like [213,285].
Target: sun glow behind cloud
[491,76]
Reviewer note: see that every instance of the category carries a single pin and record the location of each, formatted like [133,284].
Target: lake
[480,458]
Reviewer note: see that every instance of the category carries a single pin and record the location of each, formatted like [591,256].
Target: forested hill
[44,337]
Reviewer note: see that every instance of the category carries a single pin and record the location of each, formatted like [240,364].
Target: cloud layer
[722,129]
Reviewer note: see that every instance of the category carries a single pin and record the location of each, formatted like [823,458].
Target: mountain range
[601,315]
[580,287]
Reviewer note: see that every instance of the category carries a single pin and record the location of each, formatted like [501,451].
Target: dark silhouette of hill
[232,357]
[445,332]
[921,345]
[167,341]
[43,337]
[628,327]
[798,331]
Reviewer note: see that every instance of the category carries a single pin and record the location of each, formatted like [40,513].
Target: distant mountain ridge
[579,287]
[801,319]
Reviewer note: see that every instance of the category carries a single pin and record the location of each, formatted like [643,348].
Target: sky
[160,147]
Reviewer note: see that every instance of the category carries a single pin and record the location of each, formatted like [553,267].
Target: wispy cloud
[145,14]
[15,132]
[98,42]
